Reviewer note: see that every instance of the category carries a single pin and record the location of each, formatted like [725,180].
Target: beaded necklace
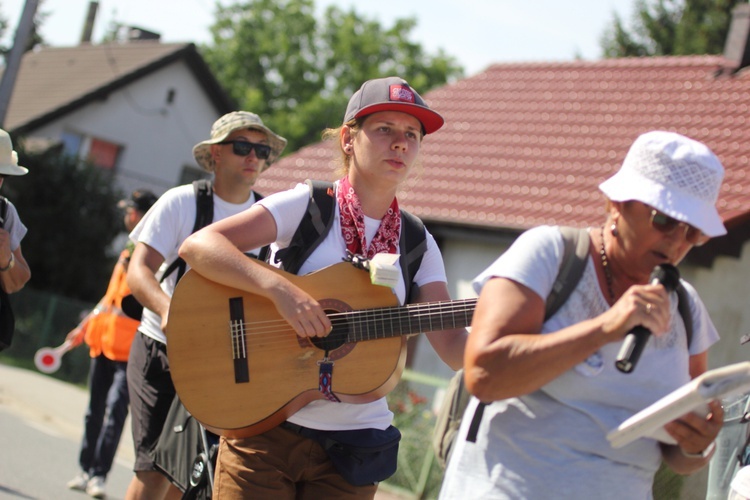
[607,270]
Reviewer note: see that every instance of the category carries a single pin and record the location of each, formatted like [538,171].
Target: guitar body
[282,369]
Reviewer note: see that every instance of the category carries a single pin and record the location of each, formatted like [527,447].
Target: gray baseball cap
[392,94]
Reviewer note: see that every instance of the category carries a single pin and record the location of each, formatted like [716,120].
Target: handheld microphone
[632,347]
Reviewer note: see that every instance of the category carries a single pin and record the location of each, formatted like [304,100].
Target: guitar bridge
[239,340]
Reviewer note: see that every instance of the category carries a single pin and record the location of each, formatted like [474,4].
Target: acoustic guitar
[240,369]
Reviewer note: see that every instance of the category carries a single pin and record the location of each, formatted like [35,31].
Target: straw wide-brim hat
[9,158]
[237,120]
[674,174]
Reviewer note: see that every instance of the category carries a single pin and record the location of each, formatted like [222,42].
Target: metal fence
[43,320]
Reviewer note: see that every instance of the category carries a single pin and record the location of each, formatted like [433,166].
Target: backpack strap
[576,244]
[575,252]
[683,306]
[312,229]
[3,210]
[204,215]
[414,244]
[318,220]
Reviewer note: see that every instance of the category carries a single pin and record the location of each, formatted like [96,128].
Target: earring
[348,148]
[613,229]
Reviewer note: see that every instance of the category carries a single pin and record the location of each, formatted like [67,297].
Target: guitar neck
[379,323]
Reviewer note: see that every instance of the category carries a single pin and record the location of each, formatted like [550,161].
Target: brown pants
[280,464]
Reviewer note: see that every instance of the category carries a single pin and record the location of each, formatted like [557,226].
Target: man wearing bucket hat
[14,270]
[239,149]
[109,332]
[379,143]
[553,387]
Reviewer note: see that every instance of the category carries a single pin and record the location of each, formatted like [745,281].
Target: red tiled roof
[528,144]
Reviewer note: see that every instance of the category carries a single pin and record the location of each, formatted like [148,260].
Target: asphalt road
[41,424]
[41,421]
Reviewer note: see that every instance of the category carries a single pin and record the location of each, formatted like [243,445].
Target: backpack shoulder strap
[204,202]
[3,210]
[413,243]
[204,215]
[683,306]
[313,227]
[575,253]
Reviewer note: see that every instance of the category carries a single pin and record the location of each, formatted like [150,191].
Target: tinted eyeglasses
[668,225]
[243,148]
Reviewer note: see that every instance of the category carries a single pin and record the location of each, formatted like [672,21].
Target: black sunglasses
[243,148]
[667,225]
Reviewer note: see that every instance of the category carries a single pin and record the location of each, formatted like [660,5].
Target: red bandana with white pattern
[353,224]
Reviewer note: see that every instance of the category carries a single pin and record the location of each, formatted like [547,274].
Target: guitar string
[281,334]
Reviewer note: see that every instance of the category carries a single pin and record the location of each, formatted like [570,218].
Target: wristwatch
[704,454]
[11,263]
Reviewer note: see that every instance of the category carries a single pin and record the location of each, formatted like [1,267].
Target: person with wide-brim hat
[239,149]
[14,270]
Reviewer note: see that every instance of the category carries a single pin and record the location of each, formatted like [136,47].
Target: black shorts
[151,394]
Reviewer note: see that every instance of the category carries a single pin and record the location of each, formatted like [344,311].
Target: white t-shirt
[14,226]
[164,227]
[552,443]
[287,209]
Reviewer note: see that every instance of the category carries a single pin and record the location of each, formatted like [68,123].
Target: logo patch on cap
[401,93]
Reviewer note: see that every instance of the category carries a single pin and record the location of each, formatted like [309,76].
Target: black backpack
[204,215]
[576,251]
[318,220]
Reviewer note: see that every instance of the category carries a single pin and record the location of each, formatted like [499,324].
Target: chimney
[135,34]
[88,26]
[737,46]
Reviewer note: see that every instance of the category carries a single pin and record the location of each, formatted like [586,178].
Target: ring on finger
[649,306]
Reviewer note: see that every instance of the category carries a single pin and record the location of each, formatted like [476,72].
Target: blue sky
[477,32]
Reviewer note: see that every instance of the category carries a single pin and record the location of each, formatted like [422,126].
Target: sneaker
[95,487]
[79,482]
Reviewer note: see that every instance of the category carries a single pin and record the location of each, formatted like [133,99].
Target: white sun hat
[8,157]
[674,174]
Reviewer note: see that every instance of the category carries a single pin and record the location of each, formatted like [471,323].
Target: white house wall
[725,289]
[157,137]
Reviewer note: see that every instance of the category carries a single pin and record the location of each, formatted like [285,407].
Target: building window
[99,152]
[71,143]
[103,154]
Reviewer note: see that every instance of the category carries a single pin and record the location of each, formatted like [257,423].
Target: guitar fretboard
[379,323]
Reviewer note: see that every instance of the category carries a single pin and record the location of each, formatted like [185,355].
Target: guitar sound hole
[333,340]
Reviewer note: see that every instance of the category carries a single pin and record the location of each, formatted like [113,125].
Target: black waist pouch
[362,456]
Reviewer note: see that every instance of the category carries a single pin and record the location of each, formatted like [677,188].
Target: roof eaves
[186,51]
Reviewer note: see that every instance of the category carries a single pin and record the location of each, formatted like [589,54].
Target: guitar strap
[325,379]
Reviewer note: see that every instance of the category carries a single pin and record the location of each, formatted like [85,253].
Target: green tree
[277,59]
[71,214]
[670,27]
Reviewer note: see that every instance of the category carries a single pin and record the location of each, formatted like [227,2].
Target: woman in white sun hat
[14,270]
[552,387]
